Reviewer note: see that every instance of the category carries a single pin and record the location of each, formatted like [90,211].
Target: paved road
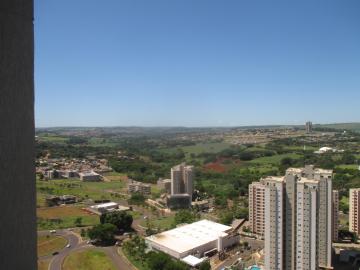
[75,245]
[255,246]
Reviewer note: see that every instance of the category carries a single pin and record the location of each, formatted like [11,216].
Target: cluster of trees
[135,249]
[59,150]
[110,224]
[137,199]
[185,216]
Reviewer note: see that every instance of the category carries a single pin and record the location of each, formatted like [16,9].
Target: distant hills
[154,130]
[343,126]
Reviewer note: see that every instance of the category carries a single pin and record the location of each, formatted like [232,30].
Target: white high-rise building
[298,220]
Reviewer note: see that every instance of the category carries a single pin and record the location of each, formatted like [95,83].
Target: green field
[163,223]
[93,190]
[212,147]
[64,217]
[52,138]
[275,160]
[88,260]
[346,166]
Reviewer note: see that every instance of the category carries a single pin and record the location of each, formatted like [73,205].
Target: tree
[287,162]
[205,266]
[184,216]
[226,218]
[103,233]
[78,222]
[121,219]
[137,199]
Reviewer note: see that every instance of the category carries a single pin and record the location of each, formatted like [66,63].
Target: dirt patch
[60,212]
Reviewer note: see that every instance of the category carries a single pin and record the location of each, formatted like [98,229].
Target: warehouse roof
[190,236]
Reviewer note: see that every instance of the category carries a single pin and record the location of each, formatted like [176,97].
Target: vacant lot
[83,190]
[60,212]
[64,217]
[47,244]
[88,260]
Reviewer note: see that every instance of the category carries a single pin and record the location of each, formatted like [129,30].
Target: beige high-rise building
[256,208]
[182,180]
[298,220]
[274,223]
[335,217]
[354,210]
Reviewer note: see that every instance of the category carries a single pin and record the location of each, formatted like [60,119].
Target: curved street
[75,245]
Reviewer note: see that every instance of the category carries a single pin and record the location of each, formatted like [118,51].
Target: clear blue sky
[196,62]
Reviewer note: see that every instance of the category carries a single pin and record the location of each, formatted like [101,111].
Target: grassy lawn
[93,190]
[53,138]
[88,260]
[47,244]
[163,223]
[43,264]
[66,216]
[115,176]
[344,166]
[211,147]
[276,159]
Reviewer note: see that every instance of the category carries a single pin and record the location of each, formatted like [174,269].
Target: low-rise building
[108,207]
[135,186]
[89,176]
[164,184]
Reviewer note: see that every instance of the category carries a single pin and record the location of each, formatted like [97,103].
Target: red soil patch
[215,166]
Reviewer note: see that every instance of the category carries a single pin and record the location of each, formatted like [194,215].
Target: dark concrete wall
[17,172]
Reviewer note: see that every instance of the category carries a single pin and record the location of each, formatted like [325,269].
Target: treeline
[57,150]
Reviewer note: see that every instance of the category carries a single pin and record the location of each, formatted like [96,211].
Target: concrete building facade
[274,223]
[135,186]
[182,178]
[354,210]
[335,215]
[256,208]
[308,127]
[299,219]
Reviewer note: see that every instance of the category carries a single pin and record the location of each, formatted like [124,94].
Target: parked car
[53,231]
[55,253]
[68,245]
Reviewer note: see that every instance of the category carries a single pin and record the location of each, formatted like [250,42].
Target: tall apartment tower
[354,210]
[335,216]
[308,127]
[257,207]
[182,180]
[274,223]
[298,220]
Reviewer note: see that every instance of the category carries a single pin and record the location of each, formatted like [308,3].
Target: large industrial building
[194,240]
[299,219]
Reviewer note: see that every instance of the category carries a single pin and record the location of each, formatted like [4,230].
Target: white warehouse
[193,239]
